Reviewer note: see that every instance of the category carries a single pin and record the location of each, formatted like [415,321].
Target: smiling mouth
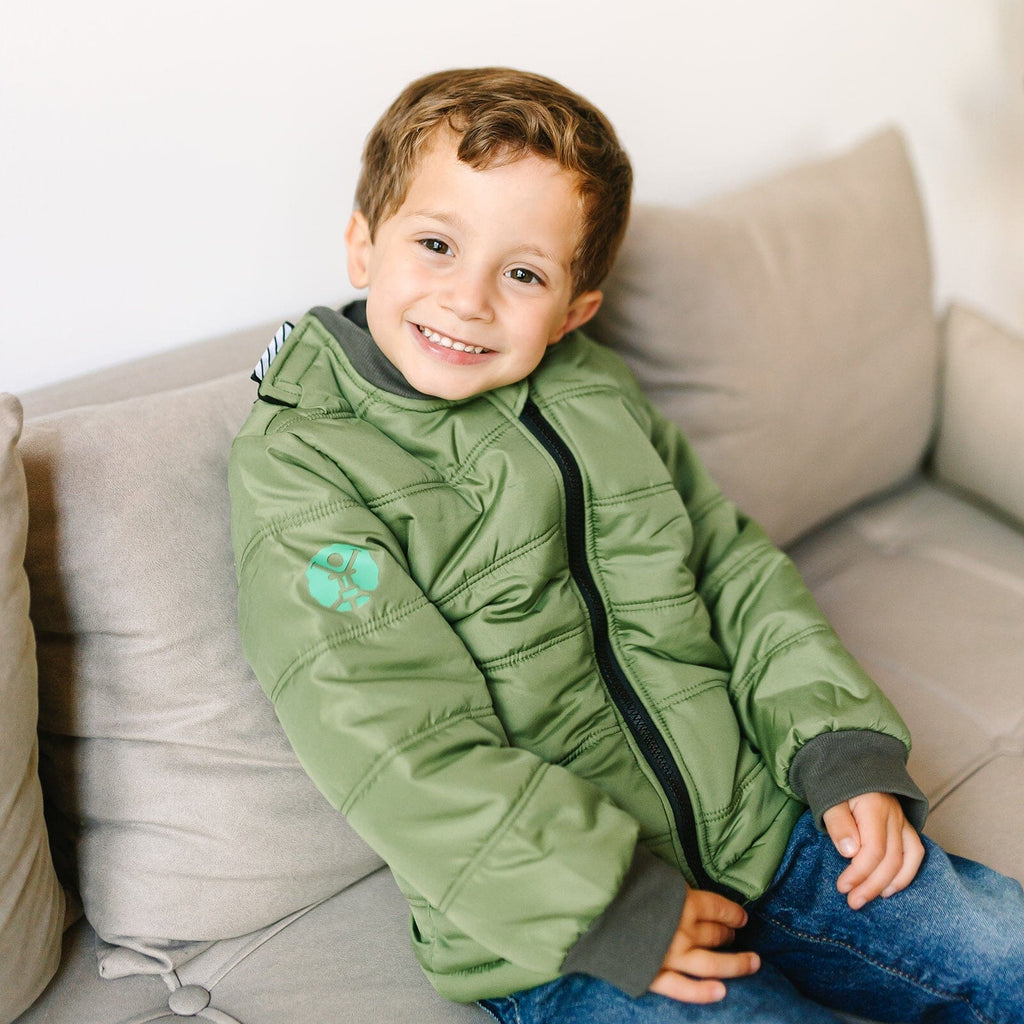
[445,342]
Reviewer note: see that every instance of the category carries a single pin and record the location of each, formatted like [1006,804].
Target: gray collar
[348,327]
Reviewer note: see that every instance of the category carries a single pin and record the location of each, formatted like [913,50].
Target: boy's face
[470,280]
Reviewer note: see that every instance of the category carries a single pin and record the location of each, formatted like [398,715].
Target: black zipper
[636,716]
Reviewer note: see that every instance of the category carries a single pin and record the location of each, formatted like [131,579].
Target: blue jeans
[949,949]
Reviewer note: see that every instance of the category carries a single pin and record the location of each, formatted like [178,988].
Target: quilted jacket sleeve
[392,719]
[824,728]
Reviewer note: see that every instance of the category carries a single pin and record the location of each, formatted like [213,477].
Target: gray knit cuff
[838,766]
[626,945]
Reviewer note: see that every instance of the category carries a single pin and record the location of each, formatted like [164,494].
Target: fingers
[693,968]
[688,956]
[709,935]
[705,963]
[913,856]
[708,921]
[706,907]
[841,827]
[702,983]
[687,990]
[889,851]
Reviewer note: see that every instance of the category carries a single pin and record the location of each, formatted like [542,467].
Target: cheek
[390,287]
[552,329]
[410,280]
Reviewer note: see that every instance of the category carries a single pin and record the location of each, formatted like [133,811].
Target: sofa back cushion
[175,789]
[978,447]
[31,900]
[788,329]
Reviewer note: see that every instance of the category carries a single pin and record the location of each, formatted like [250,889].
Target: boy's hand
[691,970]
[884,849]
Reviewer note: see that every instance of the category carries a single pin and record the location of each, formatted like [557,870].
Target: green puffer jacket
[517,639]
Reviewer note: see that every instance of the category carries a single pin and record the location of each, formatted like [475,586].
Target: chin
[454,394]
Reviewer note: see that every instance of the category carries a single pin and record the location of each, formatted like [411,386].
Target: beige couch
[789,329]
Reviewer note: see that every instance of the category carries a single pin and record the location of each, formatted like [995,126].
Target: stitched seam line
[570,393]
[524,549]
[718,579]
[887,968]
[520,657]
[388,497]
[332,640]
[748,780]
[441,481]
[489,1011]
[474,453]
[636,495]
[287,423]
[657,602]
[301,518]
[702,511]
[496,837]
[693,690]
[783,645]
[469,972]
[368,400]
[420,487]
[591,741]
[371,774]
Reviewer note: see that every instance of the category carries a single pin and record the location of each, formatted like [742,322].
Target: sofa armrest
[980,441]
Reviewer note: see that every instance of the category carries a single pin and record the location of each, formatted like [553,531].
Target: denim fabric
[947,950]
[577,999]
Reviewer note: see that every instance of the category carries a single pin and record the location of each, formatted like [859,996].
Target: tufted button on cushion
[188,1000]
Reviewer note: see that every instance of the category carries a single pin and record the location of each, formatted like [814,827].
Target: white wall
[173,171]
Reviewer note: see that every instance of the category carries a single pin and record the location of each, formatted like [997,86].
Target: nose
[467,294]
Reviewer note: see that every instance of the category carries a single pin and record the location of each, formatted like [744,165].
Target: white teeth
[440,339]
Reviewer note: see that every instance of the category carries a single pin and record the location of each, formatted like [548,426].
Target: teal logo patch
[342,577]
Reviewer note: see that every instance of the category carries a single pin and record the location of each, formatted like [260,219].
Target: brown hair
[501,114]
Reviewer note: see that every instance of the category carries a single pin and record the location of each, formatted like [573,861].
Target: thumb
[842,829]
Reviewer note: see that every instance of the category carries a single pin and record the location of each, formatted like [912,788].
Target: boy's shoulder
[301,368]
[307,374]
[579,363]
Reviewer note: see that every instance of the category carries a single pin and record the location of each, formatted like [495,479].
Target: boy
[587,713]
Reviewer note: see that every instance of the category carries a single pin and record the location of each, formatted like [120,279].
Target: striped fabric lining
[275,346]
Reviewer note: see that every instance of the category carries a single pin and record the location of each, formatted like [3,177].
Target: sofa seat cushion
[982,816]
[927,590]
[788,329]
[180,810]
[345,959]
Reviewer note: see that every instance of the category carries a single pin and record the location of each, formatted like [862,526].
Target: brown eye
[435,245]
[524,276]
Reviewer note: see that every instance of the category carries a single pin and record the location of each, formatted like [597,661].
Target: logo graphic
[342,577]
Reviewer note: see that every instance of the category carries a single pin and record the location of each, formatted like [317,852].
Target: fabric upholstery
[982,411]
[785,323]
[177,793]
[31,900]
[175,368]
[976,819]
[927,591]
[327,966]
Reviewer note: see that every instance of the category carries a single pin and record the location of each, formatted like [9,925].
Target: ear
[581,309]
[358,246]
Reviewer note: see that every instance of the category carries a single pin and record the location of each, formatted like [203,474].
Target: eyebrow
[543,254]
[442,215]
